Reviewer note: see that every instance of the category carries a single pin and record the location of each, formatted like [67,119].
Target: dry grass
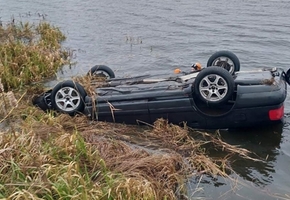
[48,158]
[55,156]
[190,144]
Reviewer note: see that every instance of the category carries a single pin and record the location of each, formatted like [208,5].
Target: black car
[218,96]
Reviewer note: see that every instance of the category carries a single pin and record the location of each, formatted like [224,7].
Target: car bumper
[248,117]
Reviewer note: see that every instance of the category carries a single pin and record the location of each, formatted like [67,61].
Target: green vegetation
[55,156]
[29,53]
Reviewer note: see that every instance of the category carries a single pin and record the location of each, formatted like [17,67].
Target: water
[137,37]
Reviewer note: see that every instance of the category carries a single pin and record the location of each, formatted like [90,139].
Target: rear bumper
[248,117]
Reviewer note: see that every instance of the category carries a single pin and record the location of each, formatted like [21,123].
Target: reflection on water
[264,143]
[257,176]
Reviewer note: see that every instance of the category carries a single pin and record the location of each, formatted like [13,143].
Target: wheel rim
[225,63]
[67,99]
[213,87]
[101,73]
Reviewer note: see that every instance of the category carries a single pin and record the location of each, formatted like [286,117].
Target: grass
[55,156]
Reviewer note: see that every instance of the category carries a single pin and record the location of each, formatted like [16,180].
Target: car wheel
[226,60]
[214,85]
[101,71]
[68,97]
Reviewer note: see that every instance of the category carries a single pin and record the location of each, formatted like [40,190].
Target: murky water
[137,37]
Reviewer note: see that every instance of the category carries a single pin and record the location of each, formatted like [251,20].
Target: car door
[130,111]
[177,109]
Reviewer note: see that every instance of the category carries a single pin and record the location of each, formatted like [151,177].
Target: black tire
[214,85]
[226,60]
[68,97]
[101,71]
[39,101]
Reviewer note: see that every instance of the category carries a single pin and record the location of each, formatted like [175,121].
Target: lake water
[137,37]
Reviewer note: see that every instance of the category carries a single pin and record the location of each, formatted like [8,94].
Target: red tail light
[276,114]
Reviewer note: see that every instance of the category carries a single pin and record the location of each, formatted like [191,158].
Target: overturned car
[217,96]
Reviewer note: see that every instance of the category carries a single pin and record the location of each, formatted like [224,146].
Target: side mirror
[287,76]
